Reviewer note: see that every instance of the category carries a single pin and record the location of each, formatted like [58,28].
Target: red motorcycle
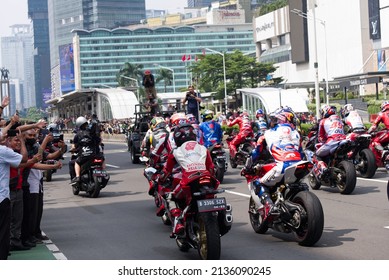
[206,217]
[296,210]
[243,152]
[381,157]
[361,156]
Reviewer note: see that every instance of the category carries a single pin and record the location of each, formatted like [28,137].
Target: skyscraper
[37,12]
[17,57]
[64,16]
[199,3]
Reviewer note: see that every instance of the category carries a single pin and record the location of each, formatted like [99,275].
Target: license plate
[214,204]
[99,173]
[222,157]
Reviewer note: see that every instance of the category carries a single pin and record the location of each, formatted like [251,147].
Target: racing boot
[265,199]
[178,227]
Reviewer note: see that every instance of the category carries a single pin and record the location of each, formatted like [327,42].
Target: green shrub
[374,106]
[228,130]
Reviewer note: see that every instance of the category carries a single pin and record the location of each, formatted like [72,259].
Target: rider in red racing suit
[195,161]
[245,131]
[383,117]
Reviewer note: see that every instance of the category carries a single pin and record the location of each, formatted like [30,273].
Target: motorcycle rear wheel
[256,220]
[368,169]
[312,220]
[96,190]
[208,236]
[220,173]
[347,178]
[233,163]
[75,190]
[315,185]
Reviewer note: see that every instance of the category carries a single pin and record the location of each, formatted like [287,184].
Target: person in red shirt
[245,131]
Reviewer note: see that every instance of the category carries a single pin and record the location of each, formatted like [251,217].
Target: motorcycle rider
[260,124]
[210,129]
[195,161]
[383,117]
[175,120]
[282,141]
[330,133]
[85,143]
[351,118]
[193,121]
[245,131]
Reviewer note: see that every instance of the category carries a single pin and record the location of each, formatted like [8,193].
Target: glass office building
[100,53]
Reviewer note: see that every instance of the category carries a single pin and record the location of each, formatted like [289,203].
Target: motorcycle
[206,217]
[243,152]
[341,172]
[219,160]
[295,209]
[361,156]
[381,158]
[93,176]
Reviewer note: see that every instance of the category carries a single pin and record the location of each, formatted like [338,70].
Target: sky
[15,11]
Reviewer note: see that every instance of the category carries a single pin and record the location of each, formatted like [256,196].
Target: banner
[66,68]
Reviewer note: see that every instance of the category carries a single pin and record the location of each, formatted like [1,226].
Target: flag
[203,51]
[188,57]
[183,57]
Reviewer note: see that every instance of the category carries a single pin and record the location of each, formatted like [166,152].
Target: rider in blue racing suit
[211,130]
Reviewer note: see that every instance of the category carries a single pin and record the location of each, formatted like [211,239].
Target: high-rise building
[64,16]
[37,12]
[17,57]
[199,3]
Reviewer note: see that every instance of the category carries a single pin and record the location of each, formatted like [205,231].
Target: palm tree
[164,75]
[129,70]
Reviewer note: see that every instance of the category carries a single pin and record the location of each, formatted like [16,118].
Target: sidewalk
[45,251]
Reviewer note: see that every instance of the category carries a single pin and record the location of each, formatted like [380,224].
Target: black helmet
[183,133]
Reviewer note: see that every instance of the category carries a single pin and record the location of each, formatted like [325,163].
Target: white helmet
[80,121]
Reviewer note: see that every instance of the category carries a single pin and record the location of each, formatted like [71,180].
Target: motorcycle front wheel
[219,173]
[208,236]
[311,218]
[346,177]
[256,220]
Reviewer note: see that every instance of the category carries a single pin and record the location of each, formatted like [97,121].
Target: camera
[57,137]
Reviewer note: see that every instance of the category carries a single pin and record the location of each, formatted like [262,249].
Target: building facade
[99,54]
[64,16]
[38,13]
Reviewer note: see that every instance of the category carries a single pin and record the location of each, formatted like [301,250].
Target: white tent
[272,98]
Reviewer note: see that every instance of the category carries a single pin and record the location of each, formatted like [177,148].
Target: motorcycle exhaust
[229,214]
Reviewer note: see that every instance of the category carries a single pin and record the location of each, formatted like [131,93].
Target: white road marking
[375,180]
[114,166]
[387,227]
[236,193]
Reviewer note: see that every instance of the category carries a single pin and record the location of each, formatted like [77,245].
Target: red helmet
[327,110]
[177,119]
[183,133]
[385,106]
[147,72]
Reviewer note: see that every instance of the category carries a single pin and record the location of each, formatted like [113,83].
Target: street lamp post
[136,83]
[224,72]
[323,23]
[170,69]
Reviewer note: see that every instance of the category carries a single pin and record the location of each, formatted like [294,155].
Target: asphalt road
[121,223]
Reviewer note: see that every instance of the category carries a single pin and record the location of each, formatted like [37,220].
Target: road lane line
[236,193]
[114,166]
[375,180]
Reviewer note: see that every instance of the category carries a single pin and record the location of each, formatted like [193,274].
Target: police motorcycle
[93,175]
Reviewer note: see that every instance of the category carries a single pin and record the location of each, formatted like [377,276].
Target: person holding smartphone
[193,100]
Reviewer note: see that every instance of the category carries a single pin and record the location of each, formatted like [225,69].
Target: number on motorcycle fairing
[214,204]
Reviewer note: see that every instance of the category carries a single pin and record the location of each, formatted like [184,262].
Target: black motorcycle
[243,152]
[219,160]
[93,176]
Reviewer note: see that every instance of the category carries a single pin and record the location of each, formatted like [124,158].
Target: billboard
[46,96]
[66,62]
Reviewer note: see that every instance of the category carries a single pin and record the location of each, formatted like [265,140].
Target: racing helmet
[184,132]
[327,110]
[259,114]
[384,106]
[346,110]
[207,115]
[276,117]
[290,116]
[80,121]
[157,123]
[177,119]
[191,118]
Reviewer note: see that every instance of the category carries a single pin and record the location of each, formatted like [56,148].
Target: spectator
[194,99]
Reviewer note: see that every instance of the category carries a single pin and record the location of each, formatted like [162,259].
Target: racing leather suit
[354,121]
[245,131]
[212,133]
[383,139]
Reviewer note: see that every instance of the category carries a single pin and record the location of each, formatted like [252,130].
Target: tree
[164,75]
[129,70]
[34,114]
